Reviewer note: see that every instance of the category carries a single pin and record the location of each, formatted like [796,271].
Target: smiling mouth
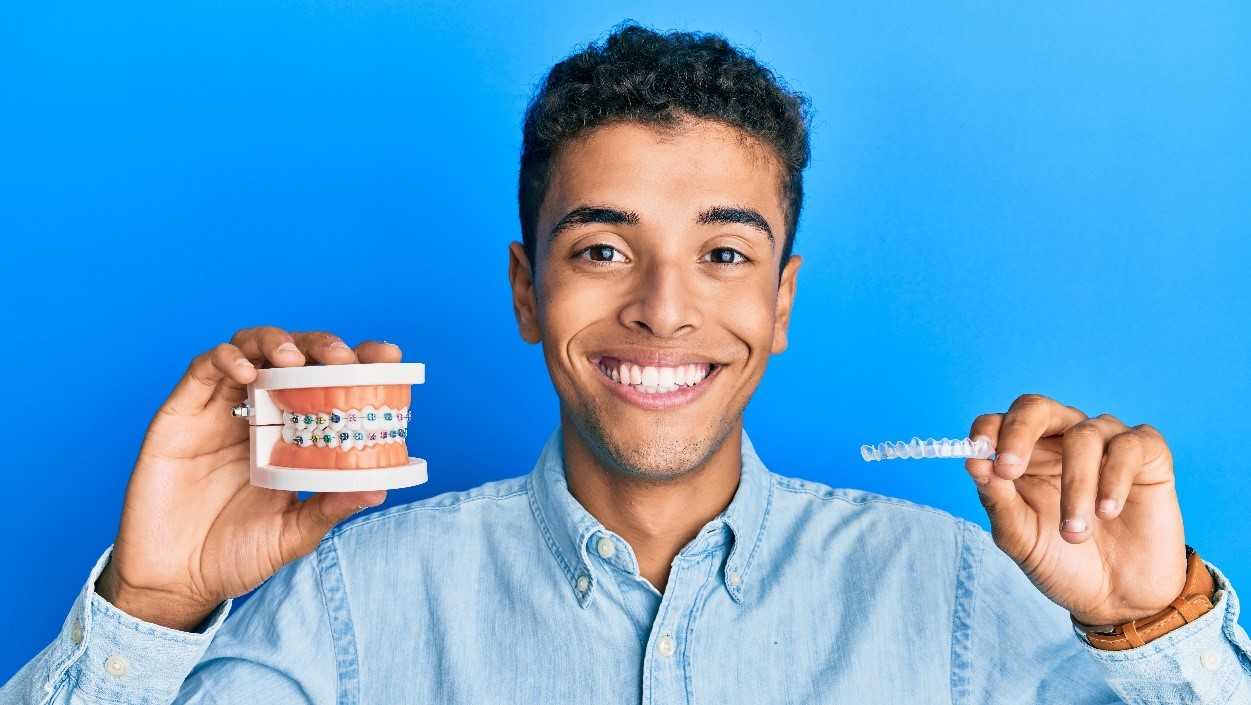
[655,379]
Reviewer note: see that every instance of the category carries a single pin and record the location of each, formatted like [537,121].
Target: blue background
[1001,200]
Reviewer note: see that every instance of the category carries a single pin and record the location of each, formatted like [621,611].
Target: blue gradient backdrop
[1001,200]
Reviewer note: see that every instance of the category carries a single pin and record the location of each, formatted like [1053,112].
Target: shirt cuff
[105,654]
[1204,661]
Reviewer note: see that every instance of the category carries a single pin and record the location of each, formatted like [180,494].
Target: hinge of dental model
[929,448]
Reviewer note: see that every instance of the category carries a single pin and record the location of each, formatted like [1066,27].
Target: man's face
[654,257]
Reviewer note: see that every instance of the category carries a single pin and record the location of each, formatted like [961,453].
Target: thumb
[313,518]
[1013,522]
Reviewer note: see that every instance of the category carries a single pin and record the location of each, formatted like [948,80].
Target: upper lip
[654,358]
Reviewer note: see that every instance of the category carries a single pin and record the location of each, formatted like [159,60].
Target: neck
[657,517]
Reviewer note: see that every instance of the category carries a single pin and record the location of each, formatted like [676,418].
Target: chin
[658,450]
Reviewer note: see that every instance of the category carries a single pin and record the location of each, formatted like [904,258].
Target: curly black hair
[637,74]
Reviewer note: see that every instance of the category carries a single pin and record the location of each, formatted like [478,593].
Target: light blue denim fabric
[512,592]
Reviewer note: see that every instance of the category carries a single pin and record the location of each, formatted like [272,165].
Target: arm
[1012,644]
[276,648]
[195,533]
[1087,509]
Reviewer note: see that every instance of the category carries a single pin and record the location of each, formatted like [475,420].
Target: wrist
[155,607]
[1197,597]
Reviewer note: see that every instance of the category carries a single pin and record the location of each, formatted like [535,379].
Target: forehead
[665,172]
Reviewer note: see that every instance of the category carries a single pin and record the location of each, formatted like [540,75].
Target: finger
[985,426]
[378,351]
[1030,417]
[223,364]
[1083,446]
[1123,462]
[1014,524]
[324,348]
[306,524]
[269,345]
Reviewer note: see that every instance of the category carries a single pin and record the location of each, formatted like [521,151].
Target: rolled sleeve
[1205,661]
[104,655]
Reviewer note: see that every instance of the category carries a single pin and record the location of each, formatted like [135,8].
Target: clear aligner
[929,448]
[346,430]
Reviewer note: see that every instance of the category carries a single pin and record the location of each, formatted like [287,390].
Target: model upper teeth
[354,428]
[654,380]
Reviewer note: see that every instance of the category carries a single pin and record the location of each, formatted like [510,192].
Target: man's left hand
[1054,466]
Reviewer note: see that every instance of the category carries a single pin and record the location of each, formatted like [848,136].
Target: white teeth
[336,419]
[343,439]
[679,376]
[386,417]
[651,376]
[649,389]
[666,377]
[345,429]
[653,380]
[623,372]
[353,420]
[307,421]
[636,374]
[288,432]
[369,418]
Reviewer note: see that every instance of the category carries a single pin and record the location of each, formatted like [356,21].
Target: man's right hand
[194,531]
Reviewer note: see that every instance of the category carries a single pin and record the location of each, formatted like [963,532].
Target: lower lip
[659,401]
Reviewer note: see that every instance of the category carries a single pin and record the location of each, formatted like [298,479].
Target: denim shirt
[512,592]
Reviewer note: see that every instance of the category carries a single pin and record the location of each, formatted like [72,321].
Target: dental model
[929,448]
[332,428]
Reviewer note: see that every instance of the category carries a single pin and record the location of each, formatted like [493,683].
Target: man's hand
[194,531]
[1054,467]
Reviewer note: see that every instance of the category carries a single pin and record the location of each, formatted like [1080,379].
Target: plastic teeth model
[333,428]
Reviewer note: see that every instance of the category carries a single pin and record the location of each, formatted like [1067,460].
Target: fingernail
[244,362]
[339,345]
[981,479]
[1010,463]
[1075,525]
[1108,506]
[288,347]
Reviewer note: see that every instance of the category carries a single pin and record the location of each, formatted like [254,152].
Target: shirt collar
[568,527]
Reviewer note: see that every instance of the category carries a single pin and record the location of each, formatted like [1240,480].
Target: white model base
[315,480]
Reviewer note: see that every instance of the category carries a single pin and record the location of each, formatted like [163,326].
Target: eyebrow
[733,214]
[593,214]
[615,216]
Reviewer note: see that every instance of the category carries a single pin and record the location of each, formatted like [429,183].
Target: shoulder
[875,519]
[502,501]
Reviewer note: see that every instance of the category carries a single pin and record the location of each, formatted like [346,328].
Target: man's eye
[727,255]
[600,253]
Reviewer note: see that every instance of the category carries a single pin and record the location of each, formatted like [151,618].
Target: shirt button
[1211,659]
[665,646]
[732,579]
[76,633]
[605,547]
[583,583]
[116,665]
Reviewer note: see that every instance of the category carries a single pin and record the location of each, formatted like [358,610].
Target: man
[649,556]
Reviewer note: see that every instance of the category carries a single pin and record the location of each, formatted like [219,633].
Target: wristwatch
[1197,597]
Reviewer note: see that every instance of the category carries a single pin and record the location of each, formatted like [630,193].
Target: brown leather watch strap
[1194,601]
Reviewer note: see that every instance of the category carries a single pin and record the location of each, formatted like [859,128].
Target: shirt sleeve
[103,655]
[1022,647]
[276,648]
[1205,661]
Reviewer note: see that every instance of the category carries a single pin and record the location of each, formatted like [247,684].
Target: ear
[786,299]
[525,306]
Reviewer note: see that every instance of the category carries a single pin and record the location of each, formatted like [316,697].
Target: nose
[662,302]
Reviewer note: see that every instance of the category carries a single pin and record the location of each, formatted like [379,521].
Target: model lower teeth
[655,380]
